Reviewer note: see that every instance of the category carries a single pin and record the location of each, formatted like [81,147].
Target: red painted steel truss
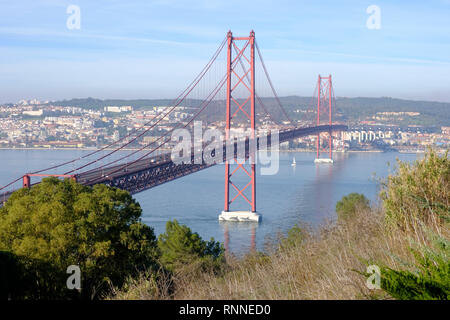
[325,98]
[245,81]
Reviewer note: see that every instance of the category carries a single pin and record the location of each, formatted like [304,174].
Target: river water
[305,193]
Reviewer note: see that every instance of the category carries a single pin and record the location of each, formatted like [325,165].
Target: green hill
[348,109]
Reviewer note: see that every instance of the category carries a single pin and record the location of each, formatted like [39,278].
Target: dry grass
[324,264]
[321,266]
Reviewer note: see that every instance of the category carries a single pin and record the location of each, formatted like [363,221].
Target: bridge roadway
[150,172]
[153,171]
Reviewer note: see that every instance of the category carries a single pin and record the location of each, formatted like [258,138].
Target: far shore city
[225,159]
[71,124]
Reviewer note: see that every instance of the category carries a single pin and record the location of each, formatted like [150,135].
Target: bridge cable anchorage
[271,84]
[183,95]
[256,95]
[158,121]
[216,90]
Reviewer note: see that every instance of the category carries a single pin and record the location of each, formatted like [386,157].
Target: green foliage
[295,236]
[418,192]
[429,281]
[431,113]
[350,204]
[181,247]
[416,200]
[57,223]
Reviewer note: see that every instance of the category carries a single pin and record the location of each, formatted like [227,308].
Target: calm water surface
[305,193]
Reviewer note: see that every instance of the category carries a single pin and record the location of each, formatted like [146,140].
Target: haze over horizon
[173,98]
[152,50]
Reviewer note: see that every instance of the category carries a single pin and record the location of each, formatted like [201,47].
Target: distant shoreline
[165,149]
[81,149]
[334,151]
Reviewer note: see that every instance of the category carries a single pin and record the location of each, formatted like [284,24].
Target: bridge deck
[150,172]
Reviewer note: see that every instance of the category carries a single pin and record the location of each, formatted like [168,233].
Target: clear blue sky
[152,49]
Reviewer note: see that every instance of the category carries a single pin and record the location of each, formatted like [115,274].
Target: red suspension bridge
[231,90]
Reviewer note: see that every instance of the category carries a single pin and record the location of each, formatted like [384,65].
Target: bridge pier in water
[151,169]
[325,98]
[249,41]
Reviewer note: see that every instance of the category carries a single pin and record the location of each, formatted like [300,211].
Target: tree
[57,223]
[350,204]
[180,247]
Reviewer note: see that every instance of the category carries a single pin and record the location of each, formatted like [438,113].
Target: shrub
[430,279]
[350,204]
[57,223]
[418,192]
[416,203]
[295,236]
[180,247]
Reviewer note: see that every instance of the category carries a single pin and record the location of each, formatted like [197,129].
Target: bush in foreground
[185,257]
[57,223]
[320,265]
[347,207]
[418,193]
[416,200]
[429,278]
[180,247]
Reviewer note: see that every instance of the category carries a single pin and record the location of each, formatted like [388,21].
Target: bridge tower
[237,80]
[325,97]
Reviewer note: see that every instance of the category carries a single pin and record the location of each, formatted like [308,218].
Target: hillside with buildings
[374,123]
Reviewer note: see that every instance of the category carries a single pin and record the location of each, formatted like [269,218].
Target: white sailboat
[293,162]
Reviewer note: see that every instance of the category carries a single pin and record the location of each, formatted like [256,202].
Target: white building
[118,108]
